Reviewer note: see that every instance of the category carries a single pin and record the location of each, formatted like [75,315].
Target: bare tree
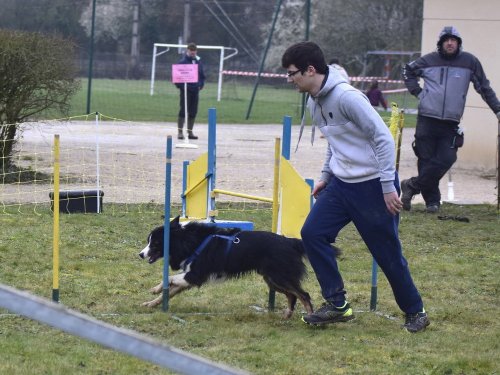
[37,73]
[348,29]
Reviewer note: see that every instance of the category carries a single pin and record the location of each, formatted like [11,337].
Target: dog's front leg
[177,284]
[155,290]
[159,288]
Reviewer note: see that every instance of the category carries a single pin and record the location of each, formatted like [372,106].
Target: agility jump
[291,198]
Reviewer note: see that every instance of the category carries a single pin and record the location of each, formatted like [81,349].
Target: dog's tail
[299,245]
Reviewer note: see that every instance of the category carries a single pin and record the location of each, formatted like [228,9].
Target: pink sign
[184,73]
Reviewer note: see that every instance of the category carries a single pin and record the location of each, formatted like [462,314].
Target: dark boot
[180,126]
[190,128]
[407,194]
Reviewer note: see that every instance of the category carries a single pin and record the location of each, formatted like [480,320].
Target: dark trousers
[436,153]
[363,204]
[192,102]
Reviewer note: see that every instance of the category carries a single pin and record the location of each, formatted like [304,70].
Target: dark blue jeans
[363,204]
[436,154]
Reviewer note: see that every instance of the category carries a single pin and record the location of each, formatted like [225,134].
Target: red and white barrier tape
[278,75]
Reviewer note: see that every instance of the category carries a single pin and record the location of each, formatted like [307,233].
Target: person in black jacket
[193,93]
[447,74]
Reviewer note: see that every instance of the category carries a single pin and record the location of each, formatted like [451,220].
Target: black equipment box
[73,201]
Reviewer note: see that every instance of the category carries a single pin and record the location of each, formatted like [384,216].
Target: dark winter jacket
[195,86]
[446,82]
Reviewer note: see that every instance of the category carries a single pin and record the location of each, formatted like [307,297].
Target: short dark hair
[304,54]
[192,47]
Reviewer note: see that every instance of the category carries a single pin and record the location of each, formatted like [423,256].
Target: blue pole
[166,231]
[185,165]
[373,297]
[285,152]
[212,125]
[310,182]
[287,135]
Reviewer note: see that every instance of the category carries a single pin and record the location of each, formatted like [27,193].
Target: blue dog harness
[230,240]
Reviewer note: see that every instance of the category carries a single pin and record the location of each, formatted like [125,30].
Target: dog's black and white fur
[277,258]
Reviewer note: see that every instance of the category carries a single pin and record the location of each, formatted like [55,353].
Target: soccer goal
[161,48]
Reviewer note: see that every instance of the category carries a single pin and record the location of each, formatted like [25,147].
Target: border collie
[206,252]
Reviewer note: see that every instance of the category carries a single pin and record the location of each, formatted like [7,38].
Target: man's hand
[317,188]
[393,203]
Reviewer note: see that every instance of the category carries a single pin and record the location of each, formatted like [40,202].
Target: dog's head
[154,249]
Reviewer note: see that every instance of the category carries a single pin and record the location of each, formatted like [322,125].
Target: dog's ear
[175,223]
[158,230]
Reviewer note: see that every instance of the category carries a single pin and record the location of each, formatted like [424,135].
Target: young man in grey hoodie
[358,184]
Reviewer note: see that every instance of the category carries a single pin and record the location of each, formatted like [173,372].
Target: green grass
[454,264]
[130,100]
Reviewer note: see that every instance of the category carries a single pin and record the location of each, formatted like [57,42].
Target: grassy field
[454,264]
[130,100]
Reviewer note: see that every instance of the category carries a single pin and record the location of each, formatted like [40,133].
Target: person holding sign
[192,93]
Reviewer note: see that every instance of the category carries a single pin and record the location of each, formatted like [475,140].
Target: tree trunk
[7,141]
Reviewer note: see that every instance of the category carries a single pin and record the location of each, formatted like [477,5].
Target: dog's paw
[156,290]
[152,303]
[287,313]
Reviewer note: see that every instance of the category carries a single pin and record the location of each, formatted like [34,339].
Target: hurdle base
[242,225]
[186,145]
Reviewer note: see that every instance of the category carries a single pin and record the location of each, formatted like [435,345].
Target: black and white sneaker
[329,313]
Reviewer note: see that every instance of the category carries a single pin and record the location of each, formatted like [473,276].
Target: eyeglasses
[291,74]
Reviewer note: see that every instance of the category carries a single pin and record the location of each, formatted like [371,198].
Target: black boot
[190,128]
[180,126]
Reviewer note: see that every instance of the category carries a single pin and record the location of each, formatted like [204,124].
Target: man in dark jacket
[447,74]
[193,93]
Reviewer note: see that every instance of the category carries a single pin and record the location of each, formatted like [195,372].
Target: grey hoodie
[360,145]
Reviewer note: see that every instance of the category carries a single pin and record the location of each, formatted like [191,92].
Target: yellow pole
[401,125]
[242,195]
[55,239]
